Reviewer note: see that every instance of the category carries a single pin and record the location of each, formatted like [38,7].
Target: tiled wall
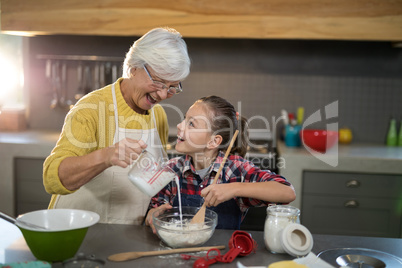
[261,77]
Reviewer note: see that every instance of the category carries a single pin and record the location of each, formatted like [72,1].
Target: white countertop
[46,138]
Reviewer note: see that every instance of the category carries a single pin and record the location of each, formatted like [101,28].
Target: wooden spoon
[138,254]
[199,217]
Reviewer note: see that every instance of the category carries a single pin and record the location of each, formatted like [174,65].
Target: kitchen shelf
[79,58]
[294,19]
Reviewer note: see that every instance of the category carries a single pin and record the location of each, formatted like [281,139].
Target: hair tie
[237,115]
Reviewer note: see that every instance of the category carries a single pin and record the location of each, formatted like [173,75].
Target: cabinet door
[30,192]
[351,216]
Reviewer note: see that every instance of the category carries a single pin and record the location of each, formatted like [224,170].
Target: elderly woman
[108,128]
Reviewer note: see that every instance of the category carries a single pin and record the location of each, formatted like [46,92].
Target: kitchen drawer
[356,184]
[323,214]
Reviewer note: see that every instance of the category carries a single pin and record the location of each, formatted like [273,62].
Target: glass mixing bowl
[177,233]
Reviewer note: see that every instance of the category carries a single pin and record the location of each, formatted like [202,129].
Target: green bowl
[65,229]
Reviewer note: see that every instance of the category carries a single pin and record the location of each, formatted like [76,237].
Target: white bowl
[58,219]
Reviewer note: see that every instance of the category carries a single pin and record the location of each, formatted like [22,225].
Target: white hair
[164,50]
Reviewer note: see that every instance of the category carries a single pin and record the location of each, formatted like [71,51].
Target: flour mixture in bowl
[176,230]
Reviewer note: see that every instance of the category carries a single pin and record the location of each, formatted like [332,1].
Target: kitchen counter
[103,240]
[365,158]
[370,158]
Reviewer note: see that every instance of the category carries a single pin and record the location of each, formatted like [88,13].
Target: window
[11,71]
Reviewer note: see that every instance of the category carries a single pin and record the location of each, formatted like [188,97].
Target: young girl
[204,135]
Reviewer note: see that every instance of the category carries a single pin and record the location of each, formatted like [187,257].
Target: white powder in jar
[185,234]
[272,233]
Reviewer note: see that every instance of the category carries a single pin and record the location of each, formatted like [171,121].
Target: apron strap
[116,115]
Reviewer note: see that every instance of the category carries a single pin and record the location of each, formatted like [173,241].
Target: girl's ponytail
[241,143]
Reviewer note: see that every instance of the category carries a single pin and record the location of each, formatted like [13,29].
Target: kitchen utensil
[150,174]
[66,229]
[80,90]
[359,257]
[96,76]
[206,261]
[114,73]
[300,115]
[318,139]
[20,222]
[285,117]
[87,79]
[138,254]
[102,70]
[281,129]
[200,216]
[55,83]
[174,228]
[240,243]
[108,73]
[64,100]
[49,70]
[292,119]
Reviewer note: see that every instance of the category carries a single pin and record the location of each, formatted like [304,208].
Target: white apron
[111,194]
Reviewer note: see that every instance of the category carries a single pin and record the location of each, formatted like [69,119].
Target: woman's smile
[151,99]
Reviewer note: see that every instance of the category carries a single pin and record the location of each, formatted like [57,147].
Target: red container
[318,139]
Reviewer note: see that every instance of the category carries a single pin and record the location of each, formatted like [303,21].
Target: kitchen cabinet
[30,193]
[291,19]
[21,159]
[347,203]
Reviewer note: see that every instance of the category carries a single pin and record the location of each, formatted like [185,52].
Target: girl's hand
[160,209]
[125,152]
[215,194]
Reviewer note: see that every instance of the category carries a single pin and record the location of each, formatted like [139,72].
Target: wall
[265,75]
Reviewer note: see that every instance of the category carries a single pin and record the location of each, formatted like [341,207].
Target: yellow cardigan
[90,126]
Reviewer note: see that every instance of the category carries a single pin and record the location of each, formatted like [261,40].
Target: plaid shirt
[236,169]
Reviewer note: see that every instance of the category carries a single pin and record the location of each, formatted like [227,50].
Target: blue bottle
[292,135]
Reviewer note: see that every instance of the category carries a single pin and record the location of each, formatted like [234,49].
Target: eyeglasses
[160,85]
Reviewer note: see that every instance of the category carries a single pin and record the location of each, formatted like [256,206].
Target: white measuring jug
[150,174]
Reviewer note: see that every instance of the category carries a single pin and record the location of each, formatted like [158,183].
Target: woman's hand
[75,172]
[215,194]
[125,152]
[160,209]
